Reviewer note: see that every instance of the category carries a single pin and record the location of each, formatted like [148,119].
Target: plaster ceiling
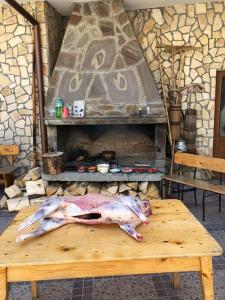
[65,7]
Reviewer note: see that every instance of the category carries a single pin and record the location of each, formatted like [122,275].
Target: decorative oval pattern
[98,59]
[120,82]
[75,83]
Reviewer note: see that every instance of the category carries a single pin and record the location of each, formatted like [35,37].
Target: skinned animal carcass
[92,209]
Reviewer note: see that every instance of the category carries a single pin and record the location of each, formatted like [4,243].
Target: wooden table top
[173,232]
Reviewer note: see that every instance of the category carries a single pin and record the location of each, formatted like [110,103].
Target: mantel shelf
[98,177]
[106,120]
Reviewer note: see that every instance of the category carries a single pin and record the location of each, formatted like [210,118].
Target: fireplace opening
[133,144]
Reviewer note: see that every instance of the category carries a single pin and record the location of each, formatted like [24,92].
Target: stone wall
[55,26]
[199,25]
[16,60]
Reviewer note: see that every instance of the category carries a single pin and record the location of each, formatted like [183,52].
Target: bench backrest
[200,162]
[9,152]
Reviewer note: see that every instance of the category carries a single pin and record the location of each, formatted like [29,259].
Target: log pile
[30,189]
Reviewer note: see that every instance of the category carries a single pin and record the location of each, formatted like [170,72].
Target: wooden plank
[206,274]
[200,161]
[3,284]
[163,238]
[109,268]
[203,185]
[9,150]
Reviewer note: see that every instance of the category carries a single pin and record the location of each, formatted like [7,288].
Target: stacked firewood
[30,189]
[142,190]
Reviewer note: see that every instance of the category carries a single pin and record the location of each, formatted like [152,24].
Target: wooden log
[82,188]
[132,193]
[18,203]
[112,189]
[132,185]
[73,189]
[94,187]
[33,174]
[104,190]
[3,202]
[13,192]
[51,190]
[142,187]
[52,162]
[123,187]
[36,188]
[67,193]
[143,196]
[59,191]
[153,191]
[19,182]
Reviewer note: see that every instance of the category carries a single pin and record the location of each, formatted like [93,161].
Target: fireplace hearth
[135,144]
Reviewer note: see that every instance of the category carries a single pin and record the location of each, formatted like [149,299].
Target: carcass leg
[132,232]
[46,226]
[48,207]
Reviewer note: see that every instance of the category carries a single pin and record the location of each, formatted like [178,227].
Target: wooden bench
[197,162]
[8,152]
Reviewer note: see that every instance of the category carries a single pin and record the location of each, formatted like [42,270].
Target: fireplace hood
[101,62]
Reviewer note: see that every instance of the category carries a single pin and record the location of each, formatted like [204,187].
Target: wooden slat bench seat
[198,162]
[199,184]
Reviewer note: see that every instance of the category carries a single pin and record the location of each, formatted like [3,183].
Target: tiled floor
[144,287]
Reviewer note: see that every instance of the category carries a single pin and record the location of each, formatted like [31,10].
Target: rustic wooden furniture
[197,162]
[173,242]
[8,152]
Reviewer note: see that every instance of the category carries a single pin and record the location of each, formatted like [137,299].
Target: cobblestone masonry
[199,25]
[16,58]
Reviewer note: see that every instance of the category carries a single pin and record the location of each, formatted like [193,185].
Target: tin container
[181,146]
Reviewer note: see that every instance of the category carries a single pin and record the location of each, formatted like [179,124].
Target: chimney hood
[101,62]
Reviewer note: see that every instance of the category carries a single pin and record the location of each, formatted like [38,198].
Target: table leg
[206,274]
[3,284]
[34,290]
[176,283]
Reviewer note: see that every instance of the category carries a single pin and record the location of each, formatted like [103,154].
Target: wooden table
[173,242]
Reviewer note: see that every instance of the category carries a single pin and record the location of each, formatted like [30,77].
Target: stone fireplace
[101,62]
